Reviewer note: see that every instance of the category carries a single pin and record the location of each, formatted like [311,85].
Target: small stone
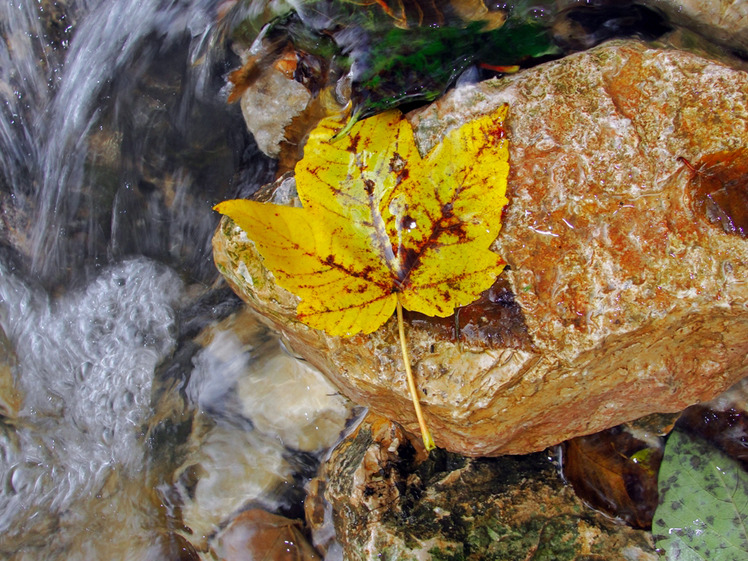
[287,397]
[230,469]
[270,105]
[257,534]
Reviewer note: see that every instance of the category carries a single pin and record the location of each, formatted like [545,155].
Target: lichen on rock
[389,501]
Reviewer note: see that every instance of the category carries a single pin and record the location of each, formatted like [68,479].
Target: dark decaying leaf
[286,36]
[727,429]
[494,320]
[616,473]
[719,189]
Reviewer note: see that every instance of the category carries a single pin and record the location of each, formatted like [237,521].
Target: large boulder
[625,292]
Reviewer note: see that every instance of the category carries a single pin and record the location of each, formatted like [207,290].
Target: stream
[134,411]
[142,406]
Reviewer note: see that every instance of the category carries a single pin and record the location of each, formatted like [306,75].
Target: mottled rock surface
[623,295]
[388,501]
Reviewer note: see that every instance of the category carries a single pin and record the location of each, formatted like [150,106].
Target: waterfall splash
[118,413]
[124,99]
[85,367]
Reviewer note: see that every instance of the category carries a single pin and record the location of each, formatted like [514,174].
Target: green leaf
[703,503]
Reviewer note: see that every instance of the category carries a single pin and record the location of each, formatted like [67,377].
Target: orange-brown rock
[624,295]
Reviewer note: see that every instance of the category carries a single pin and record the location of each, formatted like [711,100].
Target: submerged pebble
[289,398]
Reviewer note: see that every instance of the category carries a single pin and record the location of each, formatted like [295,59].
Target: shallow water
[128,421]
[143,416]
[116,139]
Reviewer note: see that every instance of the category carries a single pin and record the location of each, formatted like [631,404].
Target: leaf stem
[352,120]
[428,442]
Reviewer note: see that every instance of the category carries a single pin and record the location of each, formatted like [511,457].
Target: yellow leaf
[380,223]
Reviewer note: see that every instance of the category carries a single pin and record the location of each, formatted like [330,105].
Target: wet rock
[725,21]
[282,395]
[269,107]
[580,26]
[10,397]
[257,534]
[388,500]
[283,93]
[621,298]
[231,469]
[300,406]
[238,422]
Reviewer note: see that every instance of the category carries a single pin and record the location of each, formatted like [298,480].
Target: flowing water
[123,100]
[131,425]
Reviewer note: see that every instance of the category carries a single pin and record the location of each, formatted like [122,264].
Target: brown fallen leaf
[719,189]
[614,472]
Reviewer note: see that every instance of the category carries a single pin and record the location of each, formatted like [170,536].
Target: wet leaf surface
[495,320]
[719,185]
[380,224]
[616,473]
[703,507]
